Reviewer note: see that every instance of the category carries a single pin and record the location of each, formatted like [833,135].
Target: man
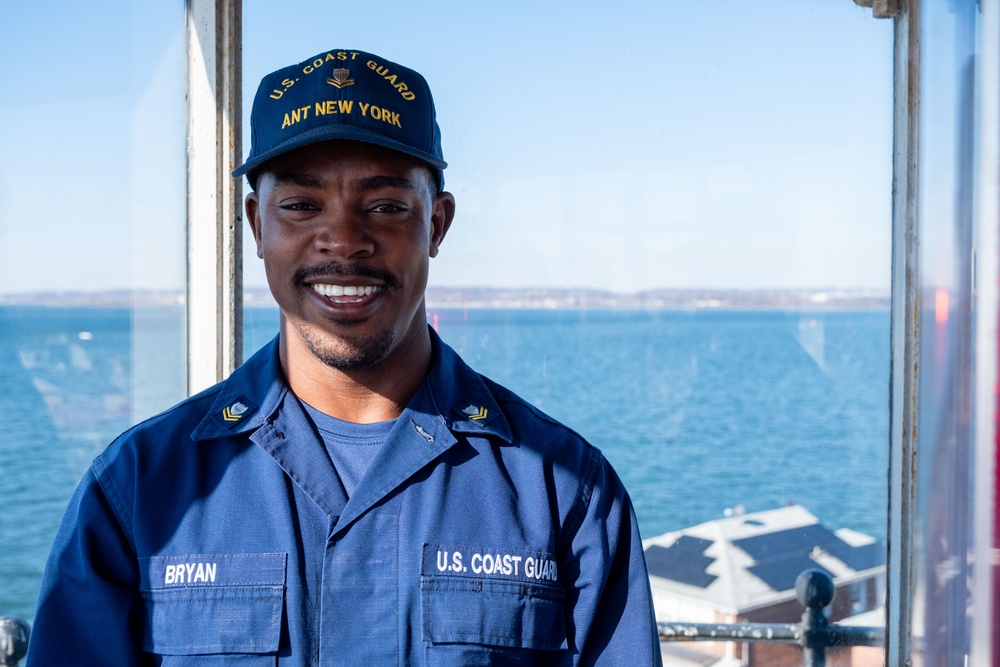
[354,493]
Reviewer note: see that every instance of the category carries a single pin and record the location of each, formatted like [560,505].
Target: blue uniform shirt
[218,533]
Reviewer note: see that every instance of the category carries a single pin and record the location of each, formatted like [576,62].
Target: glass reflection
[944,541]
[92,258]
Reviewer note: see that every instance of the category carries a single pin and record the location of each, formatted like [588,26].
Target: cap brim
[328,132]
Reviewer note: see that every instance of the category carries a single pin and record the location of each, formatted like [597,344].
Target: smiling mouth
[354,293]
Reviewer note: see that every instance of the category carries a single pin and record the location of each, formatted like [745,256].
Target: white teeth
[346,290]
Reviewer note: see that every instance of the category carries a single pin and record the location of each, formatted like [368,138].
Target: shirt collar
[247,399]
[459,397]
[453,395]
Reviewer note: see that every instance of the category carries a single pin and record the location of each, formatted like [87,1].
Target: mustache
[337,269]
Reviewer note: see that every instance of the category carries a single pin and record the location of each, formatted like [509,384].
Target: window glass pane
[673,234]
[943,565]
[92,210]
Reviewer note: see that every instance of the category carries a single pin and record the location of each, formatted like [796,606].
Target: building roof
[748,561]
[874,618]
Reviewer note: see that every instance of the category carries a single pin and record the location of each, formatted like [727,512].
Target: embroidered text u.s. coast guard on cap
[343,94]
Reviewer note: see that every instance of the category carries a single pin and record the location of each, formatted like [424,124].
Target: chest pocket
[224,608]
[487,621]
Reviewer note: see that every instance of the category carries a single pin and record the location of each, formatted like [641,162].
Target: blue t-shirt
[352,447]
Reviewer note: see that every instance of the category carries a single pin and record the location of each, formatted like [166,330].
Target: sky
[636,146]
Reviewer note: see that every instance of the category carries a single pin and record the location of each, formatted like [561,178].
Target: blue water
[698,411]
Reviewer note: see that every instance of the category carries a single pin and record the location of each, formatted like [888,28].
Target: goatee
[348,353]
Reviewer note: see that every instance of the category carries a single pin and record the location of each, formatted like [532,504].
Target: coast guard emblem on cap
[341,78]
[476,414]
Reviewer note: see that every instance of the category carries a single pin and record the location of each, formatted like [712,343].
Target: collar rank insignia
[235,412]
[341,78]
[238,409]
[476,413]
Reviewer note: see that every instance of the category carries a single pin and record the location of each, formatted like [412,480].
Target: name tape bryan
[190,573]
[523,566]
[214,570]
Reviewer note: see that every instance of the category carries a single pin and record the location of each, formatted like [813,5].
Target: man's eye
[387,208]
[297,206]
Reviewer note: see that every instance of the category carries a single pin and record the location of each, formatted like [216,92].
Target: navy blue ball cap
[343,94]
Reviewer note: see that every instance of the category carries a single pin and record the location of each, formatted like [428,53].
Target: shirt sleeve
[610,609]
[89,596]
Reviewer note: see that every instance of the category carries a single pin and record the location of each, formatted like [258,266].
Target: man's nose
[342,234]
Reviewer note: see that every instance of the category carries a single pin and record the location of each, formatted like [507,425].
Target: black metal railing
[814,590]
[13,640]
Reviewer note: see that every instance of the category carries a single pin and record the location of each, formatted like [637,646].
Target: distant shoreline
[515,298]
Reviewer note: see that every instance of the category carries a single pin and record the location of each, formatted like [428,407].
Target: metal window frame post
[214,201]
[905,345]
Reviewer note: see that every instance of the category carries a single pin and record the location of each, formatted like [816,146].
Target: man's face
[346,231]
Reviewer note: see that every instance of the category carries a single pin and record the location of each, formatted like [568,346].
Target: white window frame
[905,336]
[215,200]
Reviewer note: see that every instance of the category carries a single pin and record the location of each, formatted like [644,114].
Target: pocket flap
[493,613]
[212,603]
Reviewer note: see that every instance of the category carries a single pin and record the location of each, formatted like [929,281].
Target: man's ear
[252,204]
[442,213]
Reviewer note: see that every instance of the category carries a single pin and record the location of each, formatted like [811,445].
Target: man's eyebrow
[301,180]
[378,182]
